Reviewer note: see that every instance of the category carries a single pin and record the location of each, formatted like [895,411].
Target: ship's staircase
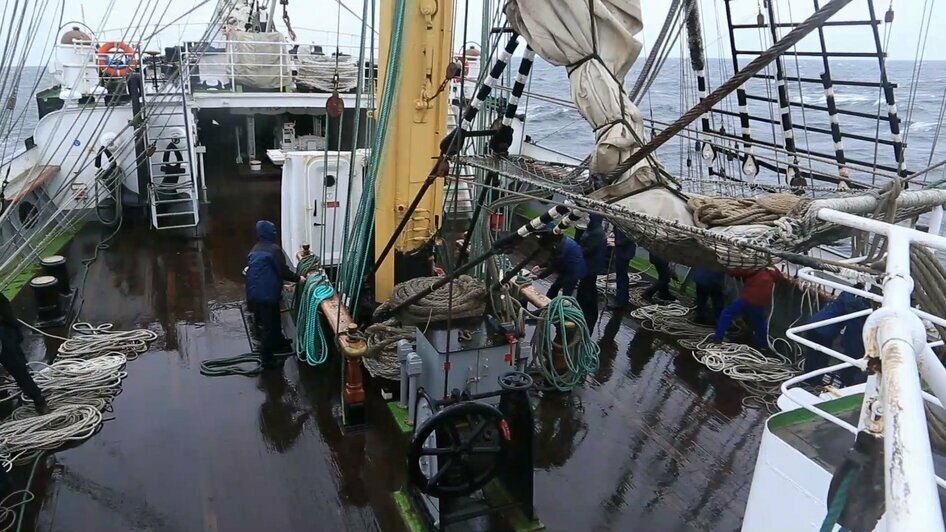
[173,194]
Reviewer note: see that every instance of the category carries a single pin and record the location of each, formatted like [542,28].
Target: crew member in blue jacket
[850,331]
[624,251]
[265,273]
[594,246]
[567,260]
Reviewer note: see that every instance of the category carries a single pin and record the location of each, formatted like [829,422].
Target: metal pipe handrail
[894,333]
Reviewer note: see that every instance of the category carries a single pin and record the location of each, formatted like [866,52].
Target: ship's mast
[417,124]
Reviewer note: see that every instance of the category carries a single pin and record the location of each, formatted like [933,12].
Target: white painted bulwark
[788,490]
[316,200]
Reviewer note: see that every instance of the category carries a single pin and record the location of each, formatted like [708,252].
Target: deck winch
[471,451]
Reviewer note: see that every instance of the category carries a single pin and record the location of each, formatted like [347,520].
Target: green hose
[579,352]
[353,267]
[248,364]
[311,346]
[838,502]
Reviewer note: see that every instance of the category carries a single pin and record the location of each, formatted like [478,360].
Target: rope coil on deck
[468,300]
[22,439]
[579,354]
[94,382]
[91,340]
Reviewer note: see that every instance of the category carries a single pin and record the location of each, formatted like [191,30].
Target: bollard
[46,294]
[55,266]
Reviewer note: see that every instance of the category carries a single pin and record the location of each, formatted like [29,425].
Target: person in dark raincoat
[850,331]
[266,272]
[624,251]
[567,260]
[594,246]
[661,286]
[710,295]
[12,357]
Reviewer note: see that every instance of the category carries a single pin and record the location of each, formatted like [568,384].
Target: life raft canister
[114,64]
[472,55]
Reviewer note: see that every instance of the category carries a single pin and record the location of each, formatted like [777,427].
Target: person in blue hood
[594,246]
[850,331]
[567,260]
[266,271]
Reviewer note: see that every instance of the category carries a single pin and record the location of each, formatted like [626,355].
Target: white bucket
[256,166]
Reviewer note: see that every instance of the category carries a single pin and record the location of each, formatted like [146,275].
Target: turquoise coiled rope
[311,346]
[579,352]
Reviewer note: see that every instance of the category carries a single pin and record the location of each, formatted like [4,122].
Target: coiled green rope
[579,352]
[311,346]
[248,364]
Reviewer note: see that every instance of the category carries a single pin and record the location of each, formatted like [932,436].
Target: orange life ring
[109,63]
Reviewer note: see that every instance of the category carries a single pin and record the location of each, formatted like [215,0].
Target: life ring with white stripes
[117,59]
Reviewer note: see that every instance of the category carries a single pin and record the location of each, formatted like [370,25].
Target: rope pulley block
[473,443]
[334,106]
[749,166]
[117,59]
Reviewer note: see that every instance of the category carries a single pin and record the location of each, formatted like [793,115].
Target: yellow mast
[416,126]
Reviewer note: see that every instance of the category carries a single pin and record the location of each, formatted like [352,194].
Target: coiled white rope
[760,375]
[78,388]
[23,439]
[740,362]
[8,511]
[93,340]
[607,284]
[94,381]
[670,319]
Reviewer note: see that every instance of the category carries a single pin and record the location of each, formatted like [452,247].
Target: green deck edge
[400,416]
[410,516]
[494,490]
[26,275]
[801,415]
[515,517]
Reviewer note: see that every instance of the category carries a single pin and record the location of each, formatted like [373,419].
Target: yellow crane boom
[417,124]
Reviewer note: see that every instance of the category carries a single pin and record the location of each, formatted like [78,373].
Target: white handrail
[896,335]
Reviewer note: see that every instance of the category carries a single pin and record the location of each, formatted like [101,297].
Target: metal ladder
[174,204]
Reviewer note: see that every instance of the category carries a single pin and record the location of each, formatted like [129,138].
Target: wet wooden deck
[654,442]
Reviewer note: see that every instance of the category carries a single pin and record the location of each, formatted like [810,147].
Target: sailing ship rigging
[413,200]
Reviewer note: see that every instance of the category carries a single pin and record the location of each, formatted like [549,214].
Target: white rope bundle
[740,362]
[22,439]
[70,381]
[91,340]
[669,319]
[607,284]
[8,510]
[320,71]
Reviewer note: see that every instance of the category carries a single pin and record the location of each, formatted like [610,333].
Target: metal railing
[227,65]
[893,404]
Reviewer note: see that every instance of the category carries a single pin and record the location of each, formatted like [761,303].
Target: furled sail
[595,40]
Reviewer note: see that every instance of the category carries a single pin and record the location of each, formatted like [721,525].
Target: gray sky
[327,16]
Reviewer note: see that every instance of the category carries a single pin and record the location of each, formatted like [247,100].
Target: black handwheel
[515,381]
[472,447]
